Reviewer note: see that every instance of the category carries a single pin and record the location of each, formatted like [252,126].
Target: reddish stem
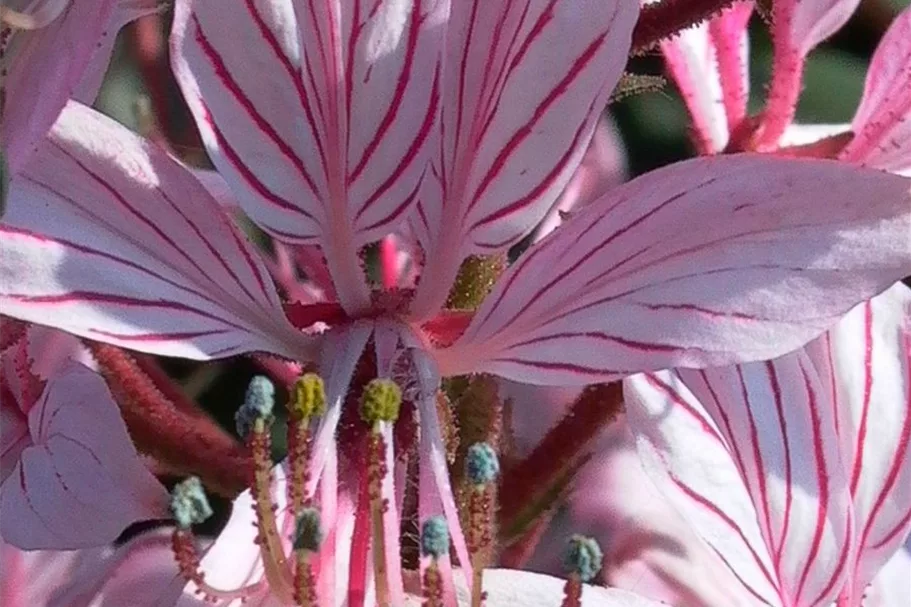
[188,443]
[664,19]
[523,483]
[149,53]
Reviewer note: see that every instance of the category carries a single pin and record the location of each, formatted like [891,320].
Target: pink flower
[70,475]
[709,64]
[39,76]
[131,574]
[336,126]
[796,471]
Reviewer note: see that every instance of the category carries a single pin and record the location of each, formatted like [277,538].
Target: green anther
[381,401]
[583,557]
[258,404]
[481,464]
[474,281]
[309,396]
[189,505]
[435,537]
[308,534]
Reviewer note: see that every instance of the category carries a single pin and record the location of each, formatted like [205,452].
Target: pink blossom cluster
[694,384]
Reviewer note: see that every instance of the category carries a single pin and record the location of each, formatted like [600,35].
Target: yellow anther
[381,401]
[309,396]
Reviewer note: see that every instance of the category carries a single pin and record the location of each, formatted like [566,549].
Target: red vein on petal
[159,337]
[224,75]
[294,74]
[822,475]
[397,212]
[525,130]
[900,527]
[407,158]
[786,444]
[244,170]
[402,82]
[685,406]
[729,522]
[865,405]
[629,343]
[463,70]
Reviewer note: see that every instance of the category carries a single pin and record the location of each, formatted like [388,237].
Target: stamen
[309,400]
[380,404]
[481,470]
[308,535]
[190,506]
[434,544]
[254,421]
[582,561]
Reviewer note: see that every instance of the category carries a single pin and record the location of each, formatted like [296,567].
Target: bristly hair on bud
[381,401]
[583,557]
[308,532]
[481,464]
[309,396]
[435,537]
[258,404]
[189,504]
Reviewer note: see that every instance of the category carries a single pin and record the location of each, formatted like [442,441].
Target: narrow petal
[882,130]
[318,116]
[108,238]
[710,65]
[40,78]
[797,27]
[754,468]
[706,262]
[868,355]
[81,482]
[523,86]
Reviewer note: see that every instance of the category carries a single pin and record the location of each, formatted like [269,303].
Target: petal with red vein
[882,126]
[109,238]
[319,115]
[523,86]
[710,65]
[868,355]
[80,482]
[706,262]
[748,455]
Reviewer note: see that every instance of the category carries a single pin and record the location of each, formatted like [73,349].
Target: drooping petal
[868,355]
[80,482]
[41,76]
[755,470]
[710,65]
[523,86]
[108,238]
[317,115]
[882,129]
[706,262]
[797,27]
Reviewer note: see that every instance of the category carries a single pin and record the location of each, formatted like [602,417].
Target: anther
[309,397]
[481,464]
[308,535]
[189,505]
[258,404]
[381,401]
[434,544]
[582,561]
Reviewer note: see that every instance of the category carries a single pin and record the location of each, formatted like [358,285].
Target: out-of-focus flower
[475,134]
[134,574]
[70,475]
[51,51]
[710,65]
[795,471]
